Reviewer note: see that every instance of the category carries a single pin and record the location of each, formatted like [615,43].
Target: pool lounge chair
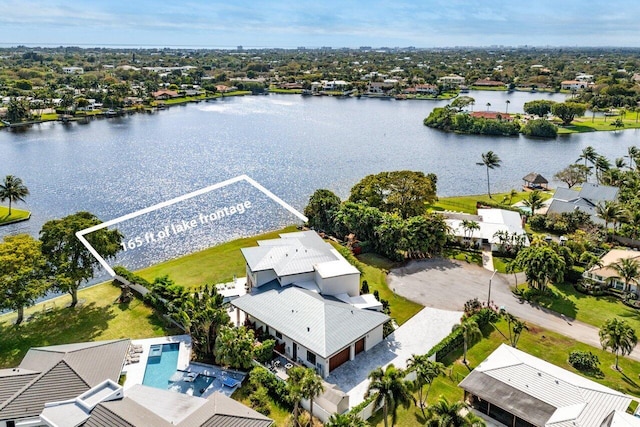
[191,377]
[230,382]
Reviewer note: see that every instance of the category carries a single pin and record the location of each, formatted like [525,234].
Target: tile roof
[321,325]
[14,379]
[530,387]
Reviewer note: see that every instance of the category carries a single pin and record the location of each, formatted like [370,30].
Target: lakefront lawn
[16,214]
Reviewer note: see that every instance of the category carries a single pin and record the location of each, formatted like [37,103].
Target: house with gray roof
[518,389]
[318,332]
[586,199]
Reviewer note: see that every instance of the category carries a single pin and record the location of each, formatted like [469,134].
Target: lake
[292,145]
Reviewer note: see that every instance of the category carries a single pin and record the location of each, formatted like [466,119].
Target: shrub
[472,306]
[276,388]
[540,128]
[259,400]
[264,352]
[131,277]
[584,361]
[455,338]
[364,289]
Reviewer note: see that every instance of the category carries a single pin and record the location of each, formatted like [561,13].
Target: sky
[345,23]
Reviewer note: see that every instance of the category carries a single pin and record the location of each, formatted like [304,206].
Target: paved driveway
[416,336]
[447,284]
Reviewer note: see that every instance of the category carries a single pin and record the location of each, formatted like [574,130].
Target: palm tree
[488,106]
[346,420]
[602,164]
[628,270]
[295,389]
[426,371]
[534,201]
[13,189]
[507,110]
[608,211]
[469,226]
[491,161]
[391,389]
[617,335]
[632,153]
[590,155]
[470,332]
[312,387]
[445,414]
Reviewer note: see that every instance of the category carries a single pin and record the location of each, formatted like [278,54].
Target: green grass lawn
[589,124]
[547,345]
[468,203]
[285,91]
[16,214]
[462,255]
[97,318]
[213,265]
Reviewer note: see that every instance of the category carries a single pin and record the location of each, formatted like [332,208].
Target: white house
[73,70]
[490,222]
[574,85]
[518,389]
[306,295]
[452,80]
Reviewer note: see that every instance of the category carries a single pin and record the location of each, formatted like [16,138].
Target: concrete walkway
[447,284]
[487,258]
[417,336]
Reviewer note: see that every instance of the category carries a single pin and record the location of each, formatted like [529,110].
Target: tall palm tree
[312,387]
[13,189]
[469,226]
[391,389]
[589,155]
[602,164]
[633,153]
[491,161]
[617,335]
[534,201]
[608,211]
[426,371]
[628,270]
[295,383]
[507,109]
[470,332]
[488,106]
[445,414]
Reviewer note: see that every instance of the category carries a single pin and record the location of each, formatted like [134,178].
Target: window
[278,335]
[311,357]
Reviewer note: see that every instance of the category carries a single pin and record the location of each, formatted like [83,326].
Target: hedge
[131,277]
[455,338]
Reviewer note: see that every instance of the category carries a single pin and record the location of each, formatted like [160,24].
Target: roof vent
[308,329]
[539,374]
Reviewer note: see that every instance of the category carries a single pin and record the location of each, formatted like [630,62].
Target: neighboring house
[379,88]
[73,70]
[605,275]
[584,77]
[488,83]
[490,221]
[535,181]
[334,85]
[427,89]
[518,389]
[165,94]
[75,385]
[56,373]
[573,85]
[452,80]
[307,295]
[492,115]
[586,199]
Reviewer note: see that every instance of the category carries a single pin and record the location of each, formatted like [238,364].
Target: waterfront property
[77,384]
[586,199]
[517,389]
[491,224]
[306,295]
[604,275]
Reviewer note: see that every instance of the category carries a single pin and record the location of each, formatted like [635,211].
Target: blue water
[161,368]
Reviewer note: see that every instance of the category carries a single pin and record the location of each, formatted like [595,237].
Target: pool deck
[135,371]
[218,374]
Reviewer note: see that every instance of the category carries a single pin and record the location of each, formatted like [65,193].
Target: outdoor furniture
[230,382]
[191,377]
[276,363]
[288,366]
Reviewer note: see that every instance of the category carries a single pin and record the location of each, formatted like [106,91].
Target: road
[448,284]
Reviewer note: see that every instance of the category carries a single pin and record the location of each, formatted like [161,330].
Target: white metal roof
[492,221]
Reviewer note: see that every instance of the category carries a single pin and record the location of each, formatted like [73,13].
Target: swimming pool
[161,365]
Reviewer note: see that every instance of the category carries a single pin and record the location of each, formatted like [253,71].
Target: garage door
[360,346]
[339,359]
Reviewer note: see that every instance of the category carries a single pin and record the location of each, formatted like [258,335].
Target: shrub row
[131,277]
[455,338]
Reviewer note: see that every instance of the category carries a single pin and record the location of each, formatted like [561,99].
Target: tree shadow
[60,326]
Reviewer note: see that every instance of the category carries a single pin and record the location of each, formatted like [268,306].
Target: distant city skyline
[289,24]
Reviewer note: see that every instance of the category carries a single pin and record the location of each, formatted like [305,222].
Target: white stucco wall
[303,277]
[349,284]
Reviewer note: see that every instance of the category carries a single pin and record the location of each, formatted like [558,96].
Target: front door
[295,352]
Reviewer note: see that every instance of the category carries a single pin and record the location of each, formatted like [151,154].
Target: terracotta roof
[492,115]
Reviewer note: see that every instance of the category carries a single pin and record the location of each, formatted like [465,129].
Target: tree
[617,335]
[572,175]
[22,273]
[462,102]
[491,161]
[567,111]
[488,106]
[617,124]
[541,265]
[540,107]
[13,189]
[534,201]
[516,326]
[404,192]
[311,388]
[608,211]
[390,388]
[470,333]
[17,110]
[445,414]
[426,371]
[469,226]
[68,260]
[589,155]
[507,102]
[540,128]
[628,270]
[323,204]
[346,420]
[234,347]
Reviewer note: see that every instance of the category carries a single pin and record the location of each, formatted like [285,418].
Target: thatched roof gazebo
[535,181]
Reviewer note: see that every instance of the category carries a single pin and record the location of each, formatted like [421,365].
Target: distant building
[535,181]
[452,80]
[586,199]
[573,85]
[165,94]
[492,115]
[73,70]
[488,83]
